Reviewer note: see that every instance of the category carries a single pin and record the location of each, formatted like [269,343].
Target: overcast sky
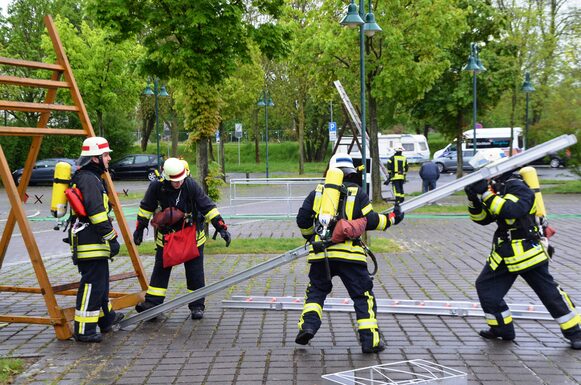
[4,5]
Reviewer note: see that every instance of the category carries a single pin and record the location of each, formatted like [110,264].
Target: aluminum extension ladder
[492,170]
[390,306]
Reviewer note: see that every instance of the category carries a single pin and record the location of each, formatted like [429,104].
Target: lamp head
[352,18]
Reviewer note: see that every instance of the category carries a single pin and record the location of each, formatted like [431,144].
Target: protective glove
[114,247]
[471,194]
[399,215]
[480,187]
[140,226]
[218,223]
[225,234]
[221,228]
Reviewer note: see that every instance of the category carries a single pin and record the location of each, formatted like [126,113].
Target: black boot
[494,333]
[143,306]
[575,339]
[304,336]
[94,338]
[116,320]
[197,313]
[373,349]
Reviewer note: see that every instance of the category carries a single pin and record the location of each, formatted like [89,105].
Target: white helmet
[95,146]
[174,170]
[344,162]
[399,148]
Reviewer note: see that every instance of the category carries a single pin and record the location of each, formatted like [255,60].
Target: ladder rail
[185,299]
[490,171]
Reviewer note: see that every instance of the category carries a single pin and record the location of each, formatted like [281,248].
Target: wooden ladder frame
[58,317]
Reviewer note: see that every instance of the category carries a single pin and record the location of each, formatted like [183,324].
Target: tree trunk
[459,139]
[175,136]
[374,148]
[513,101]
[100,123]
[148,125]
[256,138]
[202,162]
[211,150]
[221,151]
[301,135]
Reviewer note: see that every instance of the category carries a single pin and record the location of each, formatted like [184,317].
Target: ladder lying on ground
[391,306]
[492,170]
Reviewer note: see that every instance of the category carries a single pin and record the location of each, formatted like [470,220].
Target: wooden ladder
[61,78]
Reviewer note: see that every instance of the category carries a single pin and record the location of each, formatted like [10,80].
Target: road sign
[332,131]
[217,136]
[238,130]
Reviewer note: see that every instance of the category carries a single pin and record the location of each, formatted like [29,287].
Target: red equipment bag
[75,198]
[180,246]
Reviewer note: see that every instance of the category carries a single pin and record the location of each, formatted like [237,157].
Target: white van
[488,138]
[416,148]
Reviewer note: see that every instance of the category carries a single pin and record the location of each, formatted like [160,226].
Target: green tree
[194,44]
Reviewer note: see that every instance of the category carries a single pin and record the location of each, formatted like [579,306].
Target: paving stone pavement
[441,257]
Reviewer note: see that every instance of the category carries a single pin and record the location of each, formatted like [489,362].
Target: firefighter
[177,190]
[517,250]
[345,258]
[93,242]
[397,166]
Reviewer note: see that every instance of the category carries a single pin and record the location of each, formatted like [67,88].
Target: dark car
[554,160]
[135,166]
[448,161]
[43,171]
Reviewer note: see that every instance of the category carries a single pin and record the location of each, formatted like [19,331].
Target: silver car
[448,161]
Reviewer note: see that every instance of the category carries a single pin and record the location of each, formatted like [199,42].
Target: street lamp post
[265,101]
[156,92]
[475,66]
[527,88]
[369,27]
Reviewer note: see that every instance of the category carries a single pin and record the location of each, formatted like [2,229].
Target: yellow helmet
[186,165]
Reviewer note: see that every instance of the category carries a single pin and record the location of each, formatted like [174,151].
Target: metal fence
[269,196]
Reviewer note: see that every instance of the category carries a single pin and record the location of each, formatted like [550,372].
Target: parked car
[43,171]
[448,161]
[135,166]
[554,160]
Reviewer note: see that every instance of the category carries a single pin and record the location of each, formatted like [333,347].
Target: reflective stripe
[382,225]
[367,209]
[99,218]
[494,259]
[495,205]
[310,307]
[309,231]
[93,250]
[569,320]
[110,235]
[349,205]
[575,322]
[366,323]
[83,308]
[524,259]
[83,317]
[109,307]
[211,214]
[478,217]
[144,213]
[156,291]
[511,197]
[313,306]
[491,319]
[345,250]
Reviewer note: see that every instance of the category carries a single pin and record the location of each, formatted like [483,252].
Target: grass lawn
[9,367]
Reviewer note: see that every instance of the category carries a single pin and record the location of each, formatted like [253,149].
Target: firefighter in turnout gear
[341,256]
[517,250]
[93,242]
[397,166]
[177,191]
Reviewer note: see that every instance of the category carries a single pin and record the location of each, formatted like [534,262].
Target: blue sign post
[332,131]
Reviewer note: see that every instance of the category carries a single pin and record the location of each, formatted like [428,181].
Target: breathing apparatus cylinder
[330,197]
[529,175]
[61,181]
